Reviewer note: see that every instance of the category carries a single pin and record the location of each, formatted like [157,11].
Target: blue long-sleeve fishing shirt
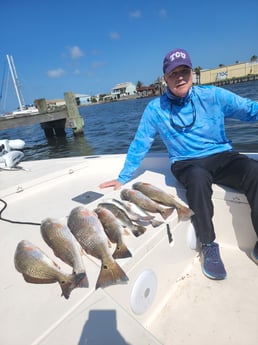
[190,127]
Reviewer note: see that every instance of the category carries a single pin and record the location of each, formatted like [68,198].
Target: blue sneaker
[212,265]
[254,253]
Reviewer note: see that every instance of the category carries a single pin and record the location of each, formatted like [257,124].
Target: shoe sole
[208,275]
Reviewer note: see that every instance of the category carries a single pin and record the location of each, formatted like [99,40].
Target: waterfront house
[82,99]
[123,89]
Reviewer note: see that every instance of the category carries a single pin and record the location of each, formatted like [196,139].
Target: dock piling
[74,120]
[53,119]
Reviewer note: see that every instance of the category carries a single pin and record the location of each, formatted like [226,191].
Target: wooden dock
[52,119]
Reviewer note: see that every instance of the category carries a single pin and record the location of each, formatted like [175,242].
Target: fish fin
[57,254]
[134,217]
[118,202]
[167,212]
[81,280]
[121,252]
[80,249]
[34,280]
[138,230]
[143,222]
[155,223]
[149,217]
[126,231]
[83,252]
[142,219]
[111,274]
[184,213]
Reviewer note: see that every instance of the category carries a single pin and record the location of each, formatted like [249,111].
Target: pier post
[74,120]
[61,116]
[51,128]
[41,105]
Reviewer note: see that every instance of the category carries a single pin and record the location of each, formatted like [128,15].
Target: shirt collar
[179,100]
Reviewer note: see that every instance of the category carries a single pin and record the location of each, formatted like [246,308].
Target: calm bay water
[110,127]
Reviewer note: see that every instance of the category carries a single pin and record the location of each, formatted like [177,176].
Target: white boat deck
[187,308]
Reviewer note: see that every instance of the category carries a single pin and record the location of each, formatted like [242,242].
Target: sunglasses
[184,126]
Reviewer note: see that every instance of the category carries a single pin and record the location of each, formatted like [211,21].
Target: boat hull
[173,300]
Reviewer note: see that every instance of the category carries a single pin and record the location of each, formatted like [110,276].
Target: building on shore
[82,99]
[239,71]
[123,89]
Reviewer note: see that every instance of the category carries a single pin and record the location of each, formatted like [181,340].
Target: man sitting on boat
[190,121]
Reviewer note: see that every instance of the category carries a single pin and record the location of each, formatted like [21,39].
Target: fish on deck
[137,214]
[166,199]
[122,215]
[145,202]
[89,232]
[65,246]
[37,268]
[114,230]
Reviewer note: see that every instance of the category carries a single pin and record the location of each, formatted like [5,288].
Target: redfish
[65,246]
[37,268]
[161,196]
[145,202]
[114,230]
[89,232]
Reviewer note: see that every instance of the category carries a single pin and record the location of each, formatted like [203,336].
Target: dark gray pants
[228,168]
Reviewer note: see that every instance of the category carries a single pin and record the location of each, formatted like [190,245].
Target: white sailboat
[23,108]
[10,150]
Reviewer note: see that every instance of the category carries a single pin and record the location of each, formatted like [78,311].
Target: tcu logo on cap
[177,55]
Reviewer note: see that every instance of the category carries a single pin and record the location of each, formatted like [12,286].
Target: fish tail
[73,281]
[121,252]
[149,217]
[126,231]
[67,285]
[155,223]
[81,280]
[184,213]
[111,274]
[167,212]
[138,230]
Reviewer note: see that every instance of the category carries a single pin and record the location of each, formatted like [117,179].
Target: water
[110,127]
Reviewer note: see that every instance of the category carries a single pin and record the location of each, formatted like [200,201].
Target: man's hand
[113,183]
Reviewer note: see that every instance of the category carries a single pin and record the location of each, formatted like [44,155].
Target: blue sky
[90,46]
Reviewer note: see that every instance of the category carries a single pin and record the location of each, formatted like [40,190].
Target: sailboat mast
[16,82]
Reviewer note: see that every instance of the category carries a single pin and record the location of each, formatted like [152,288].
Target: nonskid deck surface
[201,310]
[187,306]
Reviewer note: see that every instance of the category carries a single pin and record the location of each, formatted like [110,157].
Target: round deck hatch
[143,292]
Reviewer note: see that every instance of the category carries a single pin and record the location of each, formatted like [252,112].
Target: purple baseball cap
[174,58]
